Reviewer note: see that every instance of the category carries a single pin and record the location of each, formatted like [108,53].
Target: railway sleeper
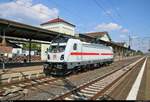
[78,97]
[91,89]
[88,91]
[14,90]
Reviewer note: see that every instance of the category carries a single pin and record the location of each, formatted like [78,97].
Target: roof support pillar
[122,51]
[3,57]
[29,50]
[119,53]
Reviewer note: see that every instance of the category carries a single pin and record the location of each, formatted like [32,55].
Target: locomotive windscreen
[56,49]
[60,40]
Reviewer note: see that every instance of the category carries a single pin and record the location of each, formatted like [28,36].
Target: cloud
[26,3]
[108,27]
[122,36]
[124,30]
[26,11]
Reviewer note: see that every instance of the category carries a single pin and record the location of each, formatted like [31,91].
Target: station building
[124,44]
[13,52]
[120,48]
[9,49]
[100,36]
[57,25]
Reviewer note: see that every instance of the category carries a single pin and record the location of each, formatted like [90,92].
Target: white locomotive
[74,54]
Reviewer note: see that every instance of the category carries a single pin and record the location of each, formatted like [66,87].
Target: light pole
[130,41]
[3,64]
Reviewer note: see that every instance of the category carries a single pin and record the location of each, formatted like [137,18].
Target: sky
[120,18]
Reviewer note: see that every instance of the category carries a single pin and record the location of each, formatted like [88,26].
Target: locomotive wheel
[67,73]
[99,65]
[88,67]
[46,72]
[91,67]
[84,69]
[75,71]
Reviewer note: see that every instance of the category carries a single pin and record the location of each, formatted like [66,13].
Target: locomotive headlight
[48,57]
[62,57]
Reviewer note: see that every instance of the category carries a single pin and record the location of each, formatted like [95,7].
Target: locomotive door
[77,49]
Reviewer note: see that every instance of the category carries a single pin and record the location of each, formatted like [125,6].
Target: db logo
[54,56]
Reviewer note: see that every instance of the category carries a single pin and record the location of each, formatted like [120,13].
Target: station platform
[19,73]
[135,86]
[144,89]
[21,69]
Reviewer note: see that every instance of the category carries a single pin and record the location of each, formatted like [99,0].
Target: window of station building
[75,46]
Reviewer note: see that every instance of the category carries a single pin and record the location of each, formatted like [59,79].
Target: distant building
[100,35]
[124,44]
[57,25]
[9,49]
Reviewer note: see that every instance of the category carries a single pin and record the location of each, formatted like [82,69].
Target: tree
[139,52]
[34,46]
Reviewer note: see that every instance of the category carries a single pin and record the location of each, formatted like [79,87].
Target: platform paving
[121,92]
[21,69]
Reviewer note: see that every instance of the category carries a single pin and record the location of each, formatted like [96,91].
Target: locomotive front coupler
[46,65]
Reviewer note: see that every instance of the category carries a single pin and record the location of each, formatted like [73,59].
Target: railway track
[98,87]
[15,89]
[11,76]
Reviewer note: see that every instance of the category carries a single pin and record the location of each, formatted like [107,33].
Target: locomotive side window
[75,46]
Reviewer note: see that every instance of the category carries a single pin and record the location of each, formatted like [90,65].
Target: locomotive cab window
[57,49]
[75,46]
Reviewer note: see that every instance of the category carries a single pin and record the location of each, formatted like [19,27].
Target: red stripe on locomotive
[87,53]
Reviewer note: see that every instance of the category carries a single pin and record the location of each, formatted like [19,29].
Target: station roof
[20,30]
[121,43]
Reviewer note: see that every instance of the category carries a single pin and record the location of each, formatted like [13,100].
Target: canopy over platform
[19,30]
